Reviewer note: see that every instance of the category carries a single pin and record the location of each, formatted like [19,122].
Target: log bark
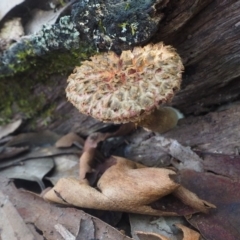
[208,43]
[206,35]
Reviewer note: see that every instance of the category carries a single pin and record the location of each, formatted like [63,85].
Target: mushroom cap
[128,87]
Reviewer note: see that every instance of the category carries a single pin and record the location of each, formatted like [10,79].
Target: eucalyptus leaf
[32,170]
[39,153]
[34,139]
[11,127]
[65,166]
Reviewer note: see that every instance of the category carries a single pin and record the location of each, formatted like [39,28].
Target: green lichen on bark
[93,26]
[59,50]
[17,98]
[16,92]
[39,49]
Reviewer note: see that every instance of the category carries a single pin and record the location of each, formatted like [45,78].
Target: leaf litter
[127,175]
[213,177]
[188,234]
[32,170]
[219,185]
[12,224]
[9,128]
[114,181]
[160,225]
[46,218]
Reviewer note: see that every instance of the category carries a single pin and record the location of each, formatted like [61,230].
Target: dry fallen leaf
[125,186]
[35,139]
[160,225]
[89,152]
[11,127]
[150,236]
[159,147]
[223,222]
[122,182]
[5,139]
[9,152]
[64,232]
[11,223]
[188,234]
[222,164]
[45,217]
[86,230]
[191,199]
[32,170]
[38,153]
[91,143]
[65,166]
[119,186]
[68,140]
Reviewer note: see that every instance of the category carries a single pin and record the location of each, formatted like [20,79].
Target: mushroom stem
[161,120]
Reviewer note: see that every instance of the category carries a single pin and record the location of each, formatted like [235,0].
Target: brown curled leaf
[91,143]
[89,151]
[125,186]
[68,140]
[188,234]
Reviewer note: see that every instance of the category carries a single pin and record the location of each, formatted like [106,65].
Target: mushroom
[130,87]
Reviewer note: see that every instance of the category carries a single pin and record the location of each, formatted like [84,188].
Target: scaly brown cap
[128,87]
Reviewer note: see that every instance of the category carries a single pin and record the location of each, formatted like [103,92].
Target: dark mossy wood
[206,34]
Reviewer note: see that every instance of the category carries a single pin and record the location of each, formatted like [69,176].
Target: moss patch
[16,93]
